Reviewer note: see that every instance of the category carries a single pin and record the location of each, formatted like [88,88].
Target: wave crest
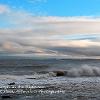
[84,71]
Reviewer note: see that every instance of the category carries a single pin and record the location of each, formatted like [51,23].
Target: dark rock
[30,78]
[60,73]
[13,83]
[5,96]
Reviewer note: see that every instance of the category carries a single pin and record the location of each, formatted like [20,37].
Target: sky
[51,28]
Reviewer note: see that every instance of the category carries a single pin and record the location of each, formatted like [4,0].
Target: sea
[36,79]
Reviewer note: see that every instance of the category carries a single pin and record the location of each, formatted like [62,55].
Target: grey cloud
[78,36]
[78,52]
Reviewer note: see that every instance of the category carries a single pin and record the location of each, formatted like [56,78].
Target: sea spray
[84,70]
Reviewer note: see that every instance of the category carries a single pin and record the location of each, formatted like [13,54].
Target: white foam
[85,70]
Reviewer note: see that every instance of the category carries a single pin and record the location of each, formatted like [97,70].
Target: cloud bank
[23,33]
[4,9]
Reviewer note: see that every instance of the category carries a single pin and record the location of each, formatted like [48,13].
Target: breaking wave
[83,71]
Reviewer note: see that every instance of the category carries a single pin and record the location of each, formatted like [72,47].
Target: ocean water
[35,79]
[21,66]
